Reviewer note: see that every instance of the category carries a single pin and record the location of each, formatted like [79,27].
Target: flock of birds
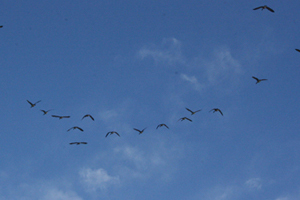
[158,126]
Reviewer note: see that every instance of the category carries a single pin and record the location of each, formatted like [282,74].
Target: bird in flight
[258,80]
[46,111]
[192,112]
[75,127]
[78,143]
[60,117]
[216,110]
[88,115]
[264,7]
[112,132]
[33,104]
[185,118]
[160,125]
[297,50]
[140,131]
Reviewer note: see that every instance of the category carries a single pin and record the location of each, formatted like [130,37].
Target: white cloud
[56,194]
[193,80]
[97,179]
[168,52]
[254,183]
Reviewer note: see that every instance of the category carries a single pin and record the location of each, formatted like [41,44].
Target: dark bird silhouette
[60,117]
[1,26]
[185,118]
[33,104]
[78,143]
[297,50]
[264,7]
[112,132]
[160,125]
[75,127]
[258,80]
[88,115]
[140,131]
[46,111]
[216,110]
[193,112]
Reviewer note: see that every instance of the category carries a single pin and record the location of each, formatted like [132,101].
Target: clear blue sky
[136,64]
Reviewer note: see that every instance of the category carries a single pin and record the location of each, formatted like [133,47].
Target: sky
[137,64]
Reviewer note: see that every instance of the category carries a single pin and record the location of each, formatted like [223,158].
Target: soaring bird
[75,127]
[60,117]
[140,131]
[264,7]
[46,111]
[160,125]
[258,80]
[216,110]
[112,132]
[297,50]
[185,118]
[78,143]
[88,115]
[193,112]
[33,104]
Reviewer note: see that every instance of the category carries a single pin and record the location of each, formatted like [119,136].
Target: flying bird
[33,104]
[75,127]
[46,111]
[264,7]
[78,143]
[258,80]
[160,125]
[112,132]
[216,110]
[140,131]
[60,117]
[88,115]
[185,118]
[192,112]
[297,50]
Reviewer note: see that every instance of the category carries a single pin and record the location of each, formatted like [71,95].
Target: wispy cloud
[254,183]
[169,52]
[97,179]
[193,80]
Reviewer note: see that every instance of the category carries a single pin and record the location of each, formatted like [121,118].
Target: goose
[140,131]
[160,125]
[193,112]
[112,132]
[216,110]
[185,118]
[88,115]
[60,117]
[33,104]
[258,80]
[264,7]
[46,111]
[75,127]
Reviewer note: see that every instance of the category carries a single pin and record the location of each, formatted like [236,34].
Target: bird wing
[117,134]
[263,79]
[72,143]
[255,78]
[270,9]
[55,116]
[220,112]
[83,142]
[258,8]
[188,119]
[144,129]
[38,102]
[80,128]
[159,125]
[65,116]
[297,50]
[92,117]
[44,111]
[70,129]
[107,134]
[165,126]
[211,110]
[198,110]
[30,103]
[189,110]
[84,117]
[136,129]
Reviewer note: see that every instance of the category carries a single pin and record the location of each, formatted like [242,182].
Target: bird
[88,115]
[185,118]
[264,7]
[75,127]
[160,125]
[258,80]
[216,110]
[60,117]
[297,50]
[46,111]
[33,104]
[1,26]
[112,132]
[78,143]
[193,112]
[140,131]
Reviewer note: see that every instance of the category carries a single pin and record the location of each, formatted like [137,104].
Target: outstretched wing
[270,9]
[255,78]
[165,126]
[83,142]
[55,116]
[188,119]
[137,130]
[220,112]
[189,110]
[30,103]
[79,128]
[38,102]
[297,50]
[107,134]
[117,134]
[65,116]
[263,79]
[258,8]
[70,129]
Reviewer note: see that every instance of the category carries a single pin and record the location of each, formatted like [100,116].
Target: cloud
[254,183]
[193,80]
[169,52]
[97,179]
[56,194]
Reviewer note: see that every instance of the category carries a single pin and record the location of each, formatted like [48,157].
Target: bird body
[60,117]
[112,132]
[88,115]
[264,7]
[140,131]
[160,125]
[75,127]
[193,112]
[33,104]
[185,118]
[258,80]
[216,110]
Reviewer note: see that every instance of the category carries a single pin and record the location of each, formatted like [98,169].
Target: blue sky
[137,64]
